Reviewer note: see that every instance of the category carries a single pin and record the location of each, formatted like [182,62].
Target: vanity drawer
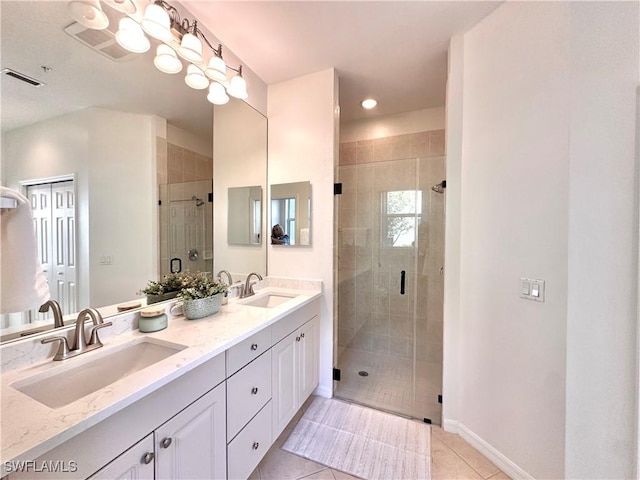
[250,446]
[247,392]
[241,354]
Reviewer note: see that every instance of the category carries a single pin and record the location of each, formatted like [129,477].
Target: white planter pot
[202,307]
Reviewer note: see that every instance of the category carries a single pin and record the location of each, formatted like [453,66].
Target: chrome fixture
[227,274]
[178,37]
[248,286]
[57,312]
[439,188]
[80,344]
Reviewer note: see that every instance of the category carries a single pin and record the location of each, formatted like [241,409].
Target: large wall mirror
[126,136]
[291,214]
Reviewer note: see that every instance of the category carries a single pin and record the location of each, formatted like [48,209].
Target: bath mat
[361,441]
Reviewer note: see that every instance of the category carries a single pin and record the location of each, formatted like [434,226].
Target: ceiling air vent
[21,76]
[101,41]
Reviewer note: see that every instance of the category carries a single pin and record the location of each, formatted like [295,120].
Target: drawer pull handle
[302,335]
[297,339]
[255,445]
[254,390]
[165,442]
[254,346]
[147,458]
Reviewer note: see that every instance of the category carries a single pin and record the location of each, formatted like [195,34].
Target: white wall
[302,146]
[390,125]
[545,160]
[113,156]
[123,204]
[188,140]
[238,164]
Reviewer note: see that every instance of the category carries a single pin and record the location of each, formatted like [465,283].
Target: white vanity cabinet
[134,464]
[193,443]
[295,370]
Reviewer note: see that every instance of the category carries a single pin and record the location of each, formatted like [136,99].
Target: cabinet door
[134,464]
[284,389]
[192,445]
[309,363]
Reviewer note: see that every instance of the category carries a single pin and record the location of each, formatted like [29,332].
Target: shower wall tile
[437,142]
[348,153]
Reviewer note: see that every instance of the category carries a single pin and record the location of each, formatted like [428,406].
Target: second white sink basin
[267,300]
[66,385]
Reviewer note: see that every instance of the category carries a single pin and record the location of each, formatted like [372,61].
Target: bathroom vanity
[200,399]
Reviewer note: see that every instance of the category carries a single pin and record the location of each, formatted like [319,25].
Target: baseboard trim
[323,391]
[498,459]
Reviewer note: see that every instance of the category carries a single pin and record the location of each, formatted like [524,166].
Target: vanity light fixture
[124,6]
[166,60]
[369,103]
[131,37]
[178,36]
[89,13]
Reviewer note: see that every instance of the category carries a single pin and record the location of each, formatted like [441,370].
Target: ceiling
[394,51]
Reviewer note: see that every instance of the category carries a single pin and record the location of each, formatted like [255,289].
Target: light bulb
[156,22]
[195,78]
[238,87]
[191,48]
[217,95]
[166,59]
[89,13]
[131,37]
[369,103]
[124,6]
[216,69]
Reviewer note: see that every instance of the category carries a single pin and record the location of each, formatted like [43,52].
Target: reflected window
[283,213]
[401,215]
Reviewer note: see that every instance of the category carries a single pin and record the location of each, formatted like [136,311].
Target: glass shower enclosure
[390,278]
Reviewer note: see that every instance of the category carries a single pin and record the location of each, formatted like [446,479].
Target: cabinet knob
[297,339]
[302,335]
[255,445]
[254,391]
[254,346]
[165,442]
[147,458]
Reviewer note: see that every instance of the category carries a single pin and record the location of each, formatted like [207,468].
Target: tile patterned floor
[451,459]
[391,384]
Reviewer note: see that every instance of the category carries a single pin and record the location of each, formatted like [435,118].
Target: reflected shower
[439,187]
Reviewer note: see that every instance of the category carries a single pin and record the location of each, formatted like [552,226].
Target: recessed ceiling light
[369,103]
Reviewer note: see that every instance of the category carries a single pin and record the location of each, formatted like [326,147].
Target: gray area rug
[361,441]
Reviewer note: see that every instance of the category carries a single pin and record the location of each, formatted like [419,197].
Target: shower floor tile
[389,384]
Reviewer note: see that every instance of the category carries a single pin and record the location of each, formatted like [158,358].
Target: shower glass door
[390,295]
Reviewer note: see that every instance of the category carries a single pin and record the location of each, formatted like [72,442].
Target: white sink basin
[78,378]
[267,300]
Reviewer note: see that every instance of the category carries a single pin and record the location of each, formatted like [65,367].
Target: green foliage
[200,285]
[189,285]
[172,282]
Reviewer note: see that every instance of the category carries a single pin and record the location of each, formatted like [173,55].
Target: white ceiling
[394,51]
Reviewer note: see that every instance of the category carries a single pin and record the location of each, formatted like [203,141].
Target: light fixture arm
[183,26]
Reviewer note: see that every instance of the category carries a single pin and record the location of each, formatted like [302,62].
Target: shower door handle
[402,277]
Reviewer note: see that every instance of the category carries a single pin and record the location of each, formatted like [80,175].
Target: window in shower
[402,213]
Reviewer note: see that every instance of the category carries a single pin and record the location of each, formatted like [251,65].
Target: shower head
[198,201]
[439,188]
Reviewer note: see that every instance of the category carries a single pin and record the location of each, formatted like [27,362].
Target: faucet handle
[63,349]
[95,340]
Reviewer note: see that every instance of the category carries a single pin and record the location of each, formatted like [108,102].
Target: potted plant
[166,288]
[201,295]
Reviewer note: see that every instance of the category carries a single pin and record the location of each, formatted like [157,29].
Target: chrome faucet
[248,286]
[80,344]
[57,312]
[227,274]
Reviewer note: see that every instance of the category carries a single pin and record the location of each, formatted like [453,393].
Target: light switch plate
[532,289]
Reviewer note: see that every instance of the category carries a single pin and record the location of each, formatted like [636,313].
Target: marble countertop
[30,429]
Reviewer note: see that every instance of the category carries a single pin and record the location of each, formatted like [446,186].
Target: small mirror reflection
[291,214]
